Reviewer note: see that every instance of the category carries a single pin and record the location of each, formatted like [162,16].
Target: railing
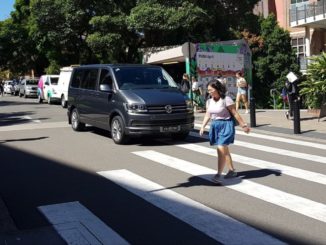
[304,11]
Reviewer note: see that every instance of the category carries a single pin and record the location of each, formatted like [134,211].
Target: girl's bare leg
[228,159]
[245,101]
[237,101]
[220,158]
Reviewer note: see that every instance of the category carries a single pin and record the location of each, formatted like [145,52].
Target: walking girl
[222,113]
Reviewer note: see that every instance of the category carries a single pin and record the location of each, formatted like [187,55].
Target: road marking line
[291,171]
[289,201]
[280,139]
[76,224]
[207,220]
[274,150]
[31,119]
[28,126]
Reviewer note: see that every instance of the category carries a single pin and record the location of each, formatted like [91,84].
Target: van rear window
[54,80]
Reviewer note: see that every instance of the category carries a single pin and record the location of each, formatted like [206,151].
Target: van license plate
[170,129]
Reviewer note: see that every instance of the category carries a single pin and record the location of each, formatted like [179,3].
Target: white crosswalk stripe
[289,201]
[77,225]
[277,138]
[291,171]
[274,150]
[211,222]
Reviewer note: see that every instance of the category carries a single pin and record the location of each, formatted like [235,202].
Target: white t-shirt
[195,85]
[217,109]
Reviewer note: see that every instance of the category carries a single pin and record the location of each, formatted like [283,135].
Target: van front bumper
[160,125]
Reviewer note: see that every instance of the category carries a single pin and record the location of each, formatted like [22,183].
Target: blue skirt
[222,132]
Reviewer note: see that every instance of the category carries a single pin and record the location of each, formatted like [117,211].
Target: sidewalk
[274,122]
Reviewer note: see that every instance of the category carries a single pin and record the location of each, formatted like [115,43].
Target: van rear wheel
[118,131]
[63,102]
[75,121]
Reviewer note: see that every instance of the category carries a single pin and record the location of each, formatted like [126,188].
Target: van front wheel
[118,131]
[75,121]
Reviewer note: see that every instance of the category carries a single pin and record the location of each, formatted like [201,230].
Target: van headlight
[135,108]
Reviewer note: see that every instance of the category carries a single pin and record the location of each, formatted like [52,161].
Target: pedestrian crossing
[206,215]
[211,222]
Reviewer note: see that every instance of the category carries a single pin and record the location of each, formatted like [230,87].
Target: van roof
[116,65]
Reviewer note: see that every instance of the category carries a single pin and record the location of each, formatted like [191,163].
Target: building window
[298,1]
[299,46]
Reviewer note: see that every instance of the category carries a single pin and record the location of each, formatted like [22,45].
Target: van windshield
[31,82]
[143,78]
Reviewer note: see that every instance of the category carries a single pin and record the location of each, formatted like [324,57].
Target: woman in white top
[197,98]
[222,113]
[242,91]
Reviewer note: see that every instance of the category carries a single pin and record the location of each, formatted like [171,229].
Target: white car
[47,88]
[63,83]
[7,87]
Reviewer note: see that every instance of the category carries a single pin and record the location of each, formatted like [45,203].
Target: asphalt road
[154,191]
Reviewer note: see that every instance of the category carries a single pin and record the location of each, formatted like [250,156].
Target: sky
[6,6]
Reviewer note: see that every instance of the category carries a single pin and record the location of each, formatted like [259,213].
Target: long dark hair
[220,88]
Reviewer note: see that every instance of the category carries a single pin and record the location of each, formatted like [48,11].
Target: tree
[60,29]
[314,87]
[272,61]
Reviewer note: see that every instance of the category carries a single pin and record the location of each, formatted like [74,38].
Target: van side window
[89,80]
[77,78]
[105,78]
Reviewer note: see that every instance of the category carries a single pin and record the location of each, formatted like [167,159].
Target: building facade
[304,19]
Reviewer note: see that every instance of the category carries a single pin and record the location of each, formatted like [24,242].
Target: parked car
[128,100]
[63,83]
[7,87]
[47,88]
[28,87]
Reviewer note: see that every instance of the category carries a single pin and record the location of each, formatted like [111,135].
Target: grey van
[128,100]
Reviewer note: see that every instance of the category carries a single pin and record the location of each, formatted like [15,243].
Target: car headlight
[135,108]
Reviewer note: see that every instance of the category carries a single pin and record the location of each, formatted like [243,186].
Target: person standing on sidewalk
[222,113]
[242,86]
[292,95]
[185,84]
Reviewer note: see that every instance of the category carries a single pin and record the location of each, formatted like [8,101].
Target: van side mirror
[105,88]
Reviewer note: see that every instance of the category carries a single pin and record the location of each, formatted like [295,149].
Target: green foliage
[53,68]
[47,33]
[273,61]
[313,88]
[163,24]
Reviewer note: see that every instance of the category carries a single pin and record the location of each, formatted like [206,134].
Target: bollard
[252,112]
[296,116]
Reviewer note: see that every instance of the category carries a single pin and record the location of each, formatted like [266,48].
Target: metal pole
[252,112]
[190,77]
[296,116]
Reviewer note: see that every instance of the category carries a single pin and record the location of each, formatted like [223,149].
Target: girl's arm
[237,116]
